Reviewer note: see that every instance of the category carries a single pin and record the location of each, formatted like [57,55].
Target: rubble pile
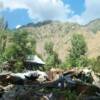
[38,85]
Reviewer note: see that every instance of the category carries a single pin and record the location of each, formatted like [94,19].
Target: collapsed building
[38,85]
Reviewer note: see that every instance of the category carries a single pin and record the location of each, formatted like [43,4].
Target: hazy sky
[20,12]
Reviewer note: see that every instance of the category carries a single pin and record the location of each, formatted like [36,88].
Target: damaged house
[34,62]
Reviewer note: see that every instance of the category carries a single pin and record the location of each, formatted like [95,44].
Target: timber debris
[33,84]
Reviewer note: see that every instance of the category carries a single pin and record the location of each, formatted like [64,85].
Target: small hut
[34,62]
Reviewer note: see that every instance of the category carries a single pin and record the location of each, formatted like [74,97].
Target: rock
[96,80]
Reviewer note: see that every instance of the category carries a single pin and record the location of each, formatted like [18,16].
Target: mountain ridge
[61,32]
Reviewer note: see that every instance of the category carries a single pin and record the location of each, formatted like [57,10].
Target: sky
[21,12]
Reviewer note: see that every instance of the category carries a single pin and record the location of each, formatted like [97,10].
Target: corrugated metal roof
[34,59]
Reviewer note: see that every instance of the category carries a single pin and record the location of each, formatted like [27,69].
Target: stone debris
[31,85]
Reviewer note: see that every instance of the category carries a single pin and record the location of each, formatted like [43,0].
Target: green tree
[4,34]
[31,43]
[52,57]
[19,47]
[3,23]
[49,47]
[78,50]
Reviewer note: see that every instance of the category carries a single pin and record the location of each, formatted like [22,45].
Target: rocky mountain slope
[60,34]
